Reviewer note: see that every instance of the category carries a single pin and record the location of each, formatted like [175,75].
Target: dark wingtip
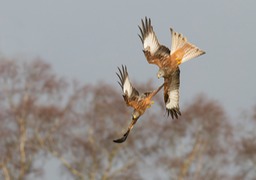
[122,139]
[140,38]
[174,113]
[122,74]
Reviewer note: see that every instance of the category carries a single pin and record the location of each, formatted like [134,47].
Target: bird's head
[160,73]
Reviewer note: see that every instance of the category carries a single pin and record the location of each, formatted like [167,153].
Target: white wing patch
[151,43]
[127,87]
[173,101]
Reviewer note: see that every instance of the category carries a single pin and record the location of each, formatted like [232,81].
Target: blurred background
[61,107]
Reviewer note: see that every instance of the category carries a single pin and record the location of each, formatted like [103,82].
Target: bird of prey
[138,101]
[168,61]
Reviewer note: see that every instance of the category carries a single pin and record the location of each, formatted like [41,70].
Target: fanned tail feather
[185,48]
[178,41]
[191,51]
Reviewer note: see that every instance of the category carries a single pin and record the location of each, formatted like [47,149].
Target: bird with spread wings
[139,101]
[168,61]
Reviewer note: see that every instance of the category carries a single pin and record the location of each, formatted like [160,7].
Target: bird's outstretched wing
[129,92]
[153,51]
[171,94]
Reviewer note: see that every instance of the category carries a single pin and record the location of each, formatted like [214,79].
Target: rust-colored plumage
[140,102]
[168,61]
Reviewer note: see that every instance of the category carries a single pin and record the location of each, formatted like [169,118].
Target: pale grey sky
[87,40]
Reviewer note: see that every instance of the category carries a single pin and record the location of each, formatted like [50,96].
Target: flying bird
[140,102]
[168,61]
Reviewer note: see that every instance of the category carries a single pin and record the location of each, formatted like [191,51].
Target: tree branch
[22,140]
[200,161]
[5,171]
[111,156]
[61,158]
[187,162]
[126,166]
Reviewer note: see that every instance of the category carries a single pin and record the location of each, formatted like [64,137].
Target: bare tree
[245,157]
[25,89]
[41,114]
[195,145]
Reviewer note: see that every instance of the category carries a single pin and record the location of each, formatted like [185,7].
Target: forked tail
[183,50]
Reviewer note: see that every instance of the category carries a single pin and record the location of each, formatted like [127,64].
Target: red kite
[139,101]
[168,61]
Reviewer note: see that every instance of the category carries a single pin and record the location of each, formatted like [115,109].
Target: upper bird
[139,101]
[168,61]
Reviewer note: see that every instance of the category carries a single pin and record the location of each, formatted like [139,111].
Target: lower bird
[139,101]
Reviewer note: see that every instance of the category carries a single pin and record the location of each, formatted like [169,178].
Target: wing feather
[148,37]
[171,94]
[125,83]
[153,51]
